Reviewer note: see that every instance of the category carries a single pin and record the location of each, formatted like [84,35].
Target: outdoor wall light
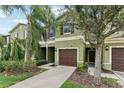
[107,48]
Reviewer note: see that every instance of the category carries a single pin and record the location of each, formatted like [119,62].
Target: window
[16,35]
[25,34]
[50,32]
[68,28]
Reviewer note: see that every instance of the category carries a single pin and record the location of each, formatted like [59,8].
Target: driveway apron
[120,75]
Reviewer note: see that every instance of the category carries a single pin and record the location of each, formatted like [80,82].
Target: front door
[91,57]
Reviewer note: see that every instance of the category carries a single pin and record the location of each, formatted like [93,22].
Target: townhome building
[67,46]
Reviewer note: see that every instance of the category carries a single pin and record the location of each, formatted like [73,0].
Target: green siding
[73,44]
[76,33]
[106,56]
[60,24]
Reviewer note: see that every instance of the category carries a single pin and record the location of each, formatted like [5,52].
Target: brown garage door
[68,57]
[118,59]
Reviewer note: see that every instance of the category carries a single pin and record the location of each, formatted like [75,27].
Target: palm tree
[39,18]
[47,19]
[2,42]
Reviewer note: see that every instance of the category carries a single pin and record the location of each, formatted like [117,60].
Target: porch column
[46,51]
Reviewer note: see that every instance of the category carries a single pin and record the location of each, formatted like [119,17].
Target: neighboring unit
[19,31]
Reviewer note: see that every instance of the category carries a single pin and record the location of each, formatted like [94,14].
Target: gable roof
[14,28]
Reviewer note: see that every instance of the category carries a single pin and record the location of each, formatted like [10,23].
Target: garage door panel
[118,59]
[68,57]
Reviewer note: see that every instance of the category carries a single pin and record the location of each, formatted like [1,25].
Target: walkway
[120,75]
[52,78]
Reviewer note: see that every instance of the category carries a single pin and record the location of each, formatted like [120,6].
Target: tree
[17,49]
[37,19]
[98,23]
[42,19]
[9,9]
[2,42]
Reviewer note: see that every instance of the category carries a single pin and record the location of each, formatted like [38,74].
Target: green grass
[71,84]
[109,81]
[43,69]
[6,81]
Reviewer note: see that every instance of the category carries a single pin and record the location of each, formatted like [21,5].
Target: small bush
[81,67]
[1,67]
[12,66]
[29,66]
[18,66]
[6,52]
[109,81]
[41,62]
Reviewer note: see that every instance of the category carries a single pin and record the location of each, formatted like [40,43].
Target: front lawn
[8,80]
[84,80]
[71,84]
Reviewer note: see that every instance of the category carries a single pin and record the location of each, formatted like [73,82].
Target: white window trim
[110,52]
[64,32]
[15,34]
[68,48]
[53,37]
[26,33]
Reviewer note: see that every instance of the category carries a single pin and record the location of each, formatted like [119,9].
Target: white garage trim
[68,48]
[110,52]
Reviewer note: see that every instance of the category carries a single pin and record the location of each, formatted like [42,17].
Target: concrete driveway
[52,78]
[120,75]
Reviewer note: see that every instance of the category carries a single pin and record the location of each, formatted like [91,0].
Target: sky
[8,22]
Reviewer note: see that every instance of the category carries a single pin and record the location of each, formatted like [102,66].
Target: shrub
[17,49]
[41,62]
[18,66]
[109,81]
[81,67]
[1,67]
[29,66]
[6,52]
[12,66]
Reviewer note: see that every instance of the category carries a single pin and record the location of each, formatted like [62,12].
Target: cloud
[2,15]
[56,10]
[19,20]
[4,31]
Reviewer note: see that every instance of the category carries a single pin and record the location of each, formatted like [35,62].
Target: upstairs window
[67,28]
[24,34]
[51,32]
[16,35]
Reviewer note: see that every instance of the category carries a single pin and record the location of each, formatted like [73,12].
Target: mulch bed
[88,81]
[18,72]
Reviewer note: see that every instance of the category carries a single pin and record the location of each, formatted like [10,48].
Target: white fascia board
[70,38]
